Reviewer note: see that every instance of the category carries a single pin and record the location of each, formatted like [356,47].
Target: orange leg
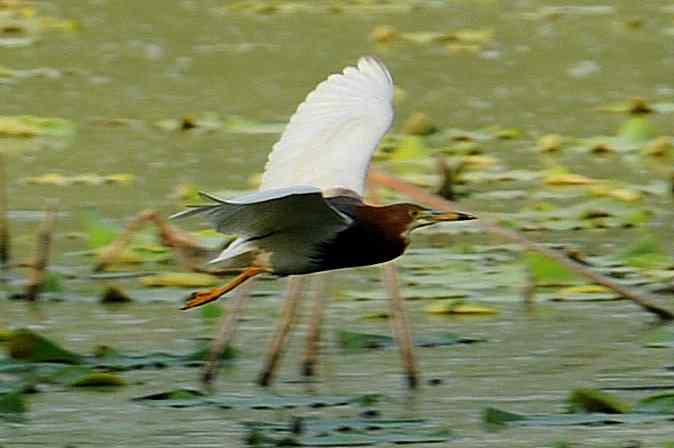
[199,298]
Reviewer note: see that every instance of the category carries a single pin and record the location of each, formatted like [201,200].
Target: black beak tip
[463,216]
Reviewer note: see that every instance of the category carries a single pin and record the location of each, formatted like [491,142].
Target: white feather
[329,141]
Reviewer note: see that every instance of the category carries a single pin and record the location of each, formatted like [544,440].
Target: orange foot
[199,298]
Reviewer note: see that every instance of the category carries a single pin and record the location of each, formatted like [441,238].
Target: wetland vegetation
[554,119]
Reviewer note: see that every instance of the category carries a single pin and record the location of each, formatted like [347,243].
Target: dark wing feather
[268,211]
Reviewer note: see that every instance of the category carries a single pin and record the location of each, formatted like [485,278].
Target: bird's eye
[414,213]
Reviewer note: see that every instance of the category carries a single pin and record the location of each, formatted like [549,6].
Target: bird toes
[199,298]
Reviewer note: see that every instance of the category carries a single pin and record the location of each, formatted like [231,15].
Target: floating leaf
[419,124]
[114,294]
[410,147]
[547,272]
[584,289]
[30,126]
[181,398]
[383,34]
[99,379]
[659,147]
[28,346]
[495,418]
[645,253]
[663,337]
[592,400]
[353,341]
[657,404]
[81,179]
[637,129]
[100,233]
[177,398]
[550,143]
[12,403]
[345,432]
[562,179]
[212,310]
[458,307]
[180,279]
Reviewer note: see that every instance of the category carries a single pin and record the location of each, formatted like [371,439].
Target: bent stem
[384,180]
[226,332]
[313,337]
[41,258]
[288,317]
[400,324]
[183,245]
[4,222]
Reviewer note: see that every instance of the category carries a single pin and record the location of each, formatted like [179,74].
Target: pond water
[130,65]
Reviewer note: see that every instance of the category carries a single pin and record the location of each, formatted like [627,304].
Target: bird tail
[193,210]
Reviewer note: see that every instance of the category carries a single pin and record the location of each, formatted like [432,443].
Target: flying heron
[309,215]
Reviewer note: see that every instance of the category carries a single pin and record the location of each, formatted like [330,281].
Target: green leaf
[100,232]
[99,379]
[180,398]
[637,129]
[29,126]
[53,282]
[592,400]
[26,345]
[657,404]
[498,419]
[12,403]
[662,337]
[547,272]
[645,253]
[212,310]
[346,431]
[354,341]
[410,147]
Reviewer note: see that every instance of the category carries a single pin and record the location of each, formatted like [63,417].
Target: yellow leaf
[48,179]
[418,124]
[583,289]
[457,307]
[125,256]
[622,194]
[120,178]
[383,34]
[550,143]
[181,279]
[476,161]
[567,179]
[16,127]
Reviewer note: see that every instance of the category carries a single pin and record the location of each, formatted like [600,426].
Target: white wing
[329,141]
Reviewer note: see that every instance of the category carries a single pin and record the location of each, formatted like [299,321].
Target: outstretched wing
[329,141]
[258,216]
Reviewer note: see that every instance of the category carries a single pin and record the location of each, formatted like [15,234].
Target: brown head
[399,220]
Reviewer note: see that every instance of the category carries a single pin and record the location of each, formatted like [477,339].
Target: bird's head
[405,217]
[419,216]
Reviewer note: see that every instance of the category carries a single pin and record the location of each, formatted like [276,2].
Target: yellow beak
[438,216]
